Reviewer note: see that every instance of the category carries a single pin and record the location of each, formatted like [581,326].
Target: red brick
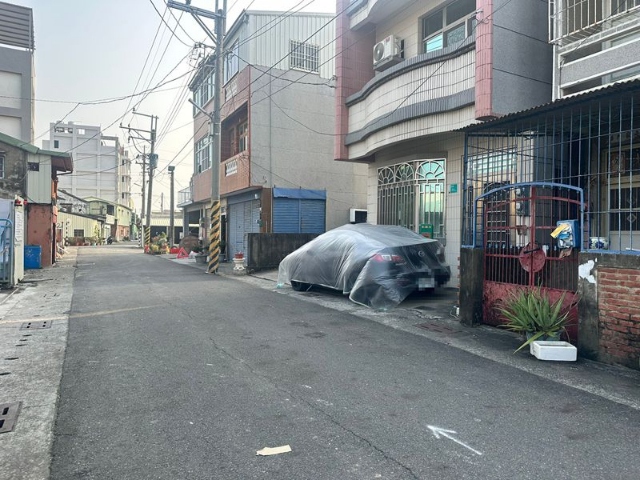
[620,271]
[622,290]
[618,328]
[606,281]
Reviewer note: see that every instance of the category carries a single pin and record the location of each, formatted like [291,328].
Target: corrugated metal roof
[613,88]
[60,160]
[16,26]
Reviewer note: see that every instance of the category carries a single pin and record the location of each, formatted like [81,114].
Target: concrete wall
[522,56]
[609,330]
[267,250]
[16,92]
[40,230]
[291,135]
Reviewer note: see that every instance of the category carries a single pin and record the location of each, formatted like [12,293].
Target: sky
[95,49]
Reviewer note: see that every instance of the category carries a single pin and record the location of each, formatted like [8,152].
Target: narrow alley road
[172,374]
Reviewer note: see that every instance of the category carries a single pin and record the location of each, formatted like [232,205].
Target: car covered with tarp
[376,265]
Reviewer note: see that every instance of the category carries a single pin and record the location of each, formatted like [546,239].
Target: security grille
[304,56]
[413,193]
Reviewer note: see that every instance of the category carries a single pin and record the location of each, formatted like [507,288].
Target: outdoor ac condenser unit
[357,215]
[387,53]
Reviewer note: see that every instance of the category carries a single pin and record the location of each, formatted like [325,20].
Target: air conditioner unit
[387,53]
[357,215]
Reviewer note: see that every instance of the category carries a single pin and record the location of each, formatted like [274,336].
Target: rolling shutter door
[286,215]
[312,216]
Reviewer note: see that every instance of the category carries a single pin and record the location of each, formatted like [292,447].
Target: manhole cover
[8,416]
[434,327]
[36,325]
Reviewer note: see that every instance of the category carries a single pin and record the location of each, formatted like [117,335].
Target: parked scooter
[109,240]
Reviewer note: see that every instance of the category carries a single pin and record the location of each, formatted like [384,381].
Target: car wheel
[299,286]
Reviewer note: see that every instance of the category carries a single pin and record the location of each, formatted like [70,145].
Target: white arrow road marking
[438,432]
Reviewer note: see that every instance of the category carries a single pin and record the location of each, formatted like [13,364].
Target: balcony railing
[571,20]
[185,196]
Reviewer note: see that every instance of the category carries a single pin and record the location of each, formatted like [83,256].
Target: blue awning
[299,193]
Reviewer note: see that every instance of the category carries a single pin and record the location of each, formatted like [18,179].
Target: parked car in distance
[377,265]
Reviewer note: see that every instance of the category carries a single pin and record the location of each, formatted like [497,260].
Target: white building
[103,170]
[16,71]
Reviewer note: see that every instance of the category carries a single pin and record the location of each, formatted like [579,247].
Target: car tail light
[385,257]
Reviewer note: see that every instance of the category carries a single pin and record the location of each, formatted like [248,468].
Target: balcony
[185,196]
[235,173]
[420,96]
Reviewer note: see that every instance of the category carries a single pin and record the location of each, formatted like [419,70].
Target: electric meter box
[569,237]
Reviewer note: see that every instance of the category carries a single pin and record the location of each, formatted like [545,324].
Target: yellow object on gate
[561,228]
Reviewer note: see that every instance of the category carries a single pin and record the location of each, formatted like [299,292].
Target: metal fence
[591,142]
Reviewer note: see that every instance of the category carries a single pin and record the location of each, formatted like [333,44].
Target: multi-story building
[16,72]
[124,188]
[575,162]
[409,76]
[103,166]
[278,119]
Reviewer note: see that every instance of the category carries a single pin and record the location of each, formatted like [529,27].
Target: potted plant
[532,313]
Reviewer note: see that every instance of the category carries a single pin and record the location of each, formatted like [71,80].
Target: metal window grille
[243,138]
[304,56]
[231,168]
[571,20]
[590,143]
[78,232]
[1,166]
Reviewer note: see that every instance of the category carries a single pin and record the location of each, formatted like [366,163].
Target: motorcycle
[109,241]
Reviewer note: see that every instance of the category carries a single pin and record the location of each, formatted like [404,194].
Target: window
[201,153]
[449,26]
[1,166]
[78,232]
[243,140]
[231,62]
[33,166]
[59,129]
[110,210]
[204,92]
[304,56]
[81,131]
[625,209]
[123,179]
[56,144]
[123,196]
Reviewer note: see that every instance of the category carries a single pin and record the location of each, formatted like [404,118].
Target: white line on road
[438,432]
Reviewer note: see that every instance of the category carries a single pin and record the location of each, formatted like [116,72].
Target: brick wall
[619,314]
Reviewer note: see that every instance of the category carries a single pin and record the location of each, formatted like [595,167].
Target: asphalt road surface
[173,374]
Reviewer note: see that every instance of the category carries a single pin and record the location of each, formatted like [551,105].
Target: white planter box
[558,351]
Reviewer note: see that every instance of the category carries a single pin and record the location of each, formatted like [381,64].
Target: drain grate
[40,325]
[435,327]
[8,416]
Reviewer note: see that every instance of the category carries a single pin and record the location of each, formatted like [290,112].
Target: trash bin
[32,256]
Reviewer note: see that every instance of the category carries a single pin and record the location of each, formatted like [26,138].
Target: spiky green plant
[532,312]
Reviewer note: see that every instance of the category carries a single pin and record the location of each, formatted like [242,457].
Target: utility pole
[144,181]
[171,206]
[219,16]
[150,137]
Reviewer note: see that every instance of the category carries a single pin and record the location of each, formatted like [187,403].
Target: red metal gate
[520,252]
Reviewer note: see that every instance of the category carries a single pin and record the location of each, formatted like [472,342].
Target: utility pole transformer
[213,257]
[171,206]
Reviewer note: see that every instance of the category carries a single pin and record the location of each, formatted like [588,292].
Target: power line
[167,24]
